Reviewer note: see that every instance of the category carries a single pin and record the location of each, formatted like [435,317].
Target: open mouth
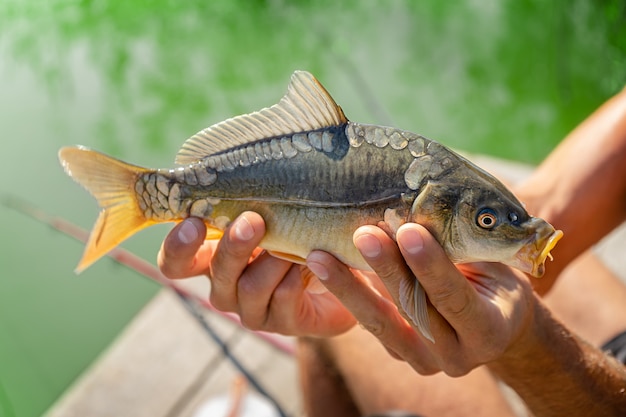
[533,255]
[550,244]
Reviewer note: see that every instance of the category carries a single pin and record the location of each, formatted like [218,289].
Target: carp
[315,177]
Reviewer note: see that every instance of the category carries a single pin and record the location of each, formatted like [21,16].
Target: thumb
[448,290]
[177,254]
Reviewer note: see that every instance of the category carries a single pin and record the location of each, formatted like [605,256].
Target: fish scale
[315,177]
[321,173]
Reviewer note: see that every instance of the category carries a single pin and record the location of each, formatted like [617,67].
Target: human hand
[267,293]
[477,311]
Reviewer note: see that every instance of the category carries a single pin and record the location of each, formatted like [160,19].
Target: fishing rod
[138,265]
[195,312]
[189,300]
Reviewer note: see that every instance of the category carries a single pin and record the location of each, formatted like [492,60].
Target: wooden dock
[165,365]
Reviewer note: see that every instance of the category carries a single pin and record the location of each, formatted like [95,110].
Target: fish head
[476,218]
[491,226]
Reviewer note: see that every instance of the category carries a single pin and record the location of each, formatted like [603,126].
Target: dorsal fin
[306,106]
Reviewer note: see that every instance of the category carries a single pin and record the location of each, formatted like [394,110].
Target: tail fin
[112,183]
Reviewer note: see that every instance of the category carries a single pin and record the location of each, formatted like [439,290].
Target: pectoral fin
[213,233]
[288,257]
[413,302]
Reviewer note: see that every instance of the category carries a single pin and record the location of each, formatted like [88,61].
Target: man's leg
[370,381]
[323,388]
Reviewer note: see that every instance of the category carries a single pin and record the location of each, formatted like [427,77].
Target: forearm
[581,187]
[558,374]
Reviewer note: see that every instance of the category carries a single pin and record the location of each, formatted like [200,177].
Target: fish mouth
[531,258]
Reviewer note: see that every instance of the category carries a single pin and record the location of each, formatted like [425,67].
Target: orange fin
[288,257]
[112,183]
[213,233]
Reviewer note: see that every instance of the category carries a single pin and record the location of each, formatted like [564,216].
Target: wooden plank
[274,370]
[164,365]
[161,359]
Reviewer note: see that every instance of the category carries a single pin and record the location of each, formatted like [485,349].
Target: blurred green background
[136,78]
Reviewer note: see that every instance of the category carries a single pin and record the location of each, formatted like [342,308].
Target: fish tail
[112,183]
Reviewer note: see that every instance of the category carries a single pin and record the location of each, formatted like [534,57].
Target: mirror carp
[315,177]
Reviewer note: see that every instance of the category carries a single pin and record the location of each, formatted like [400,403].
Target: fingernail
[319,270]
[243,229]
[368,245]
[411,240]
[187,232]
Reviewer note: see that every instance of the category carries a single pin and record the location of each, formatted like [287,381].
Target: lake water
[136,78]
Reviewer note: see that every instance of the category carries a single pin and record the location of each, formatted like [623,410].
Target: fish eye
[486,218]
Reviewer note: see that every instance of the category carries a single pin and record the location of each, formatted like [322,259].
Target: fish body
[315,177]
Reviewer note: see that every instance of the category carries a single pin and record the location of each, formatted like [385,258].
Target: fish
[315,177]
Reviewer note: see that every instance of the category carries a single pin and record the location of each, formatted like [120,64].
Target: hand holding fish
[476,311]
[480,316]
[315,177]
[267,293]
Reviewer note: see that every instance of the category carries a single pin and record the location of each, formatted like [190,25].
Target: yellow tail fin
[112,183]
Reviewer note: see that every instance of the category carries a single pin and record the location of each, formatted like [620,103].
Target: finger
[295,310]
[278,301]
[231,258]
[177,256]
[255,290]
[374,312]
[382,254]
[482,306]
[351,290]
[386,259]
[448,290]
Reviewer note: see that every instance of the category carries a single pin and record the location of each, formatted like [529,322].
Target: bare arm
[559,374]
[481,313]
[581,186]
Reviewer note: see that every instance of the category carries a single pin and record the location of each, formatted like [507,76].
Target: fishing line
[133,262]
[195,312]
[147,270]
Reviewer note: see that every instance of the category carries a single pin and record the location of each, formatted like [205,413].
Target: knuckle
[169,270]
[389,270]
[251,322]
[376,326]
[451,302]
[219,303]
[165,269]
[234,250]
[284,293]
[247,287]
[457,365]
[223,277]
[456,370]
[378,320]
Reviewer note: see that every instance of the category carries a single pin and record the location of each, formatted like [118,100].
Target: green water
[135,78]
